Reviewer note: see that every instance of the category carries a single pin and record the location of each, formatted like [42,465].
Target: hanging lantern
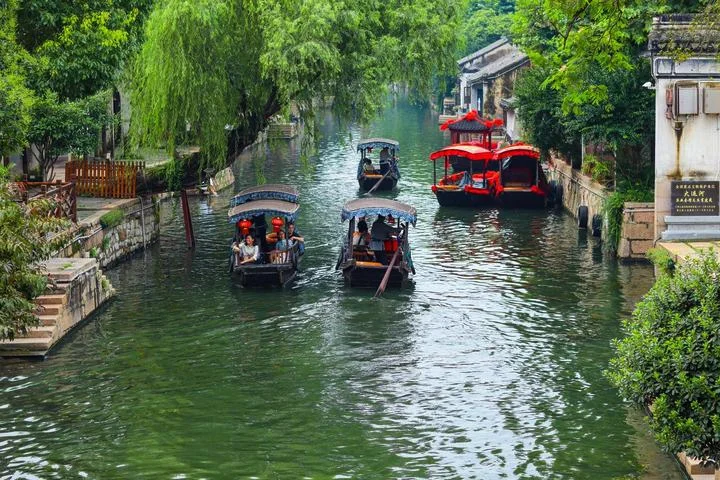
[277,223]
[244,226]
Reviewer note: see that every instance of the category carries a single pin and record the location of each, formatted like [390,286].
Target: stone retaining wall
[579,189]
[79,289]
[637,233]
[140,226]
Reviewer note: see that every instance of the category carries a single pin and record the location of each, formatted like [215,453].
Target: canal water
[489,366]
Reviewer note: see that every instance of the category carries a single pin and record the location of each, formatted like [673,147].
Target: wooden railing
[62,193]
[105,178]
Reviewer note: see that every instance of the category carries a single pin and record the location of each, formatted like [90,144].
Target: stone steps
[43,331]
[27,346]
[47,320]
[49,309]
[52,299]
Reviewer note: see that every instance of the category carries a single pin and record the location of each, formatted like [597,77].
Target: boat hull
[461,198]
[367,182]
[370,274]
[523,198]
[265,275]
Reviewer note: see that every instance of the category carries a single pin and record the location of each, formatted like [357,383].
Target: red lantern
[277,223]
[244,226]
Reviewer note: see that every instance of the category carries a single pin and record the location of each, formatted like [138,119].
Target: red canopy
[471,152]
[518,150]
[474,117]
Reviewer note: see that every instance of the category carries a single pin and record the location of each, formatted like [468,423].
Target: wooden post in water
[189,234]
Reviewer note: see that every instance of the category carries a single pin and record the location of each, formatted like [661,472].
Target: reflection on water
[490,366]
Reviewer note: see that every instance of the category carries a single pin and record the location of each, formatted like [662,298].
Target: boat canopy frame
[269,191]
[363,207]
[274,208]
[370,143]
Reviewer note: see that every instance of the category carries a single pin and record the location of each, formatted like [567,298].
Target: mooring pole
[189,234]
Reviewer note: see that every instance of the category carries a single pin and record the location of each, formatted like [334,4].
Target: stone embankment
[638,230]
[78,288]
[579,190]
[111,230]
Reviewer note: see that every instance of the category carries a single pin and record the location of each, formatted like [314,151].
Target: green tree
[670,358]
[214,72]
[61,127]
[486,21]
[15,98]
[28,235]
[79,47]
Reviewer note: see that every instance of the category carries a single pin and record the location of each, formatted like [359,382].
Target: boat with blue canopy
[387,174]
[265,259]
[381,253]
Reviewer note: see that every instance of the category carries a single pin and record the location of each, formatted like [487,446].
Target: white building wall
[687,147]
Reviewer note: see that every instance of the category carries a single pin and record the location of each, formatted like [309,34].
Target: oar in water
[378,183]
[386,277]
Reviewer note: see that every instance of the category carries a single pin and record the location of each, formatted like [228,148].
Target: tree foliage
[15,97]
[28,235]
[78,47]
[61,127]
[214,72]
[486,21]
[670,358]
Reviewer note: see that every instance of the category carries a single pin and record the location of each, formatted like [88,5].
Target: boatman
[380,232]
[384,160]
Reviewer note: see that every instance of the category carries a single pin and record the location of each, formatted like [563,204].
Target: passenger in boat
[379,232]
[295,236]
[282,246]
[384,160]
[368,167]
[361,238]
[246,252]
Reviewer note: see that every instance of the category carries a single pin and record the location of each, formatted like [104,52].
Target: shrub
[615,206]
[112,219]
[670,358]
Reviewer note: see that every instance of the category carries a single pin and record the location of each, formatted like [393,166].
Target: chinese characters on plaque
[694,198]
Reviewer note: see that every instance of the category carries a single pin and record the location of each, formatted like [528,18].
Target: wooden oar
[378,182]
[386,277]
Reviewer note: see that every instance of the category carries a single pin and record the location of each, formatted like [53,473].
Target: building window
[466,101]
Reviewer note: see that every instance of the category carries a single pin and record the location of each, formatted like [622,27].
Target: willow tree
[212,72]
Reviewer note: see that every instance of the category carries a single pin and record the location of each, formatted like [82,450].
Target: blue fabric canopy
[270,191]
[273,208]
[378,143]
[364,207]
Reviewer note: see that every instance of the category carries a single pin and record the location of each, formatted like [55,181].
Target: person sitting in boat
[281,253]
[246,252]
[295,236]
[368,166]
[384,160]
[361,238]
[379,232]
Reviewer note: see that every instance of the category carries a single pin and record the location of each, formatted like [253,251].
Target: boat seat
[369,264]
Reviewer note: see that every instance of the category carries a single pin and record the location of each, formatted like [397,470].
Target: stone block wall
[579,189]
[139,228]
[638,229]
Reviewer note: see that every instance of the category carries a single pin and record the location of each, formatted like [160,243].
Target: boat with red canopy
[521,180]
[471,186]
[472,129]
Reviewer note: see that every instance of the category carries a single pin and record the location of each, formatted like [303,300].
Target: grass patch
[112,219]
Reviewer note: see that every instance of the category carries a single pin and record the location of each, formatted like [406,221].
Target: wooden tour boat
[358,263]
[521,180]
[249,211]
[466,188]
[472,129]
[387,175]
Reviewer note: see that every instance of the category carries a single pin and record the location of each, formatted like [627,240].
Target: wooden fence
[105,178]
[62,193]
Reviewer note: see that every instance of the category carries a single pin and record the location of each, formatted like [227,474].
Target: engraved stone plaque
[694,198]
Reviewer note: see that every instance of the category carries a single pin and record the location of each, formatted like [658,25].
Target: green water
[489,366]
